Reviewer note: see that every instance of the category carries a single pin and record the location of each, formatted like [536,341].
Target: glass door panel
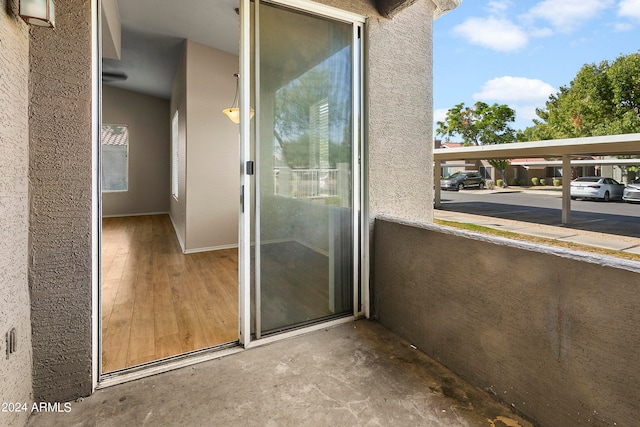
[304,145]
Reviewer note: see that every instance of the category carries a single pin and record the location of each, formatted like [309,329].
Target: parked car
[632,191]
[462,180]
[596,187]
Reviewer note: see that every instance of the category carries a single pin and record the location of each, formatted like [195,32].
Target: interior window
[115,158]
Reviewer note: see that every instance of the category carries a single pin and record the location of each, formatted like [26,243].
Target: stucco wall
[399,101]
[15,370]
[148,120]
[60,172]
[552,333]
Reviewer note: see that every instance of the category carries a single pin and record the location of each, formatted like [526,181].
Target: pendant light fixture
[38,12]
[234,112]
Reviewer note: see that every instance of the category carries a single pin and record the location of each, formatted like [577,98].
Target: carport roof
[627,144]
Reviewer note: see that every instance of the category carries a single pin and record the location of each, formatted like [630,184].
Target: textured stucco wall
[60,190]
[400,114]
[552,333]
[15,371]
[149,124]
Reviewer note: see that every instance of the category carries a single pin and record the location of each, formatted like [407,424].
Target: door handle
[242,198]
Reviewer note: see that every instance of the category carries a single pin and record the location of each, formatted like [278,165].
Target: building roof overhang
[389,8]
[628,144]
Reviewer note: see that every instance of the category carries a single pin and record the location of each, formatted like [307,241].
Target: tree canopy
[483,124]
[602,99]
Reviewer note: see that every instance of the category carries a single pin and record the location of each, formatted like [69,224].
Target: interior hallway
[158,302]
[354,374]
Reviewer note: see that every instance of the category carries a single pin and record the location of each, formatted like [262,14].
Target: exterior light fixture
[38,12]
[234,112]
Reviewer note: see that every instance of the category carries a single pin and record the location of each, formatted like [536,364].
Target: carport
[565,149]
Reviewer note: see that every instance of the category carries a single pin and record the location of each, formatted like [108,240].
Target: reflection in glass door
[303,135]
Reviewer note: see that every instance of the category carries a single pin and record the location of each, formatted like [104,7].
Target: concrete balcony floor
[358,373]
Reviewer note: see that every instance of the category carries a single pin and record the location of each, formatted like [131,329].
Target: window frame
[175,156]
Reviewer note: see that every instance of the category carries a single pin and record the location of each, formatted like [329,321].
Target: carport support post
[566,188]
[437,173]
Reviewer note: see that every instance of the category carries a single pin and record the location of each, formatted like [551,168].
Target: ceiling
[153,33]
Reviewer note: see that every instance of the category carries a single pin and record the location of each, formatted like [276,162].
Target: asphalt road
[545,207]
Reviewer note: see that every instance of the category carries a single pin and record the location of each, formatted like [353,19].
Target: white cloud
[526,112]
[493,33]
[629,9]
[439,115]
[622,27]
[498,7]
[540,32]
[567,15]
[515,89]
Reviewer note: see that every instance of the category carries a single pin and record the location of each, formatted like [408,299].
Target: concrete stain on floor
[356,374]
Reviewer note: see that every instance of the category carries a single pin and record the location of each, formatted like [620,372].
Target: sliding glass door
[304,146]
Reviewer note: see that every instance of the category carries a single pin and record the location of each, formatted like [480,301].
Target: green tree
[602,99]
[293,104]
[482,124]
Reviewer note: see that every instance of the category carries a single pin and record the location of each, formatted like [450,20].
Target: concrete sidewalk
[588,238]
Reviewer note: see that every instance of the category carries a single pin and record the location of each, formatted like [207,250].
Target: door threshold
[300,331]
[168,364]
[183,360]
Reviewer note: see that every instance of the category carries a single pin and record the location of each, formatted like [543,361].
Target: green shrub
[543,181]
[499,182]
[512,181]
[534,181]
[522,182]
[556,182]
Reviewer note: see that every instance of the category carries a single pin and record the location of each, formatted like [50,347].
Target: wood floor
[158,302]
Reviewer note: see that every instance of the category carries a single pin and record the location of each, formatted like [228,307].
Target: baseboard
[135,214]
[312,247]
[175,230]
[210,248]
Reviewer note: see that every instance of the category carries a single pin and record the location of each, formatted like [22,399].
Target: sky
[518,52]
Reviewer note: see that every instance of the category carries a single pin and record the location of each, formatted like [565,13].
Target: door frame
[360,213]
[360,220]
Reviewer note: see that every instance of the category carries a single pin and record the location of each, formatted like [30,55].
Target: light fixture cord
[235,98]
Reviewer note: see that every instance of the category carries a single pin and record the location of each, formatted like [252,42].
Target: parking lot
[544,206]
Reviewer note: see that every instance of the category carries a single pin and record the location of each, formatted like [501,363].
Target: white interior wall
[210,165]
[178,207]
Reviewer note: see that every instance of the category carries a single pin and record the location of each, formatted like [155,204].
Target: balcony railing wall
[551,332]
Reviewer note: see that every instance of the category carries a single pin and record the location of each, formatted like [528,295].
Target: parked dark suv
[462,180]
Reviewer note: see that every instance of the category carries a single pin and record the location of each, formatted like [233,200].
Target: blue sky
[518,52]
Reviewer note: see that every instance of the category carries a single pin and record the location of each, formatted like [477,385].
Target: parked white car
[632,192]
[596,187]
